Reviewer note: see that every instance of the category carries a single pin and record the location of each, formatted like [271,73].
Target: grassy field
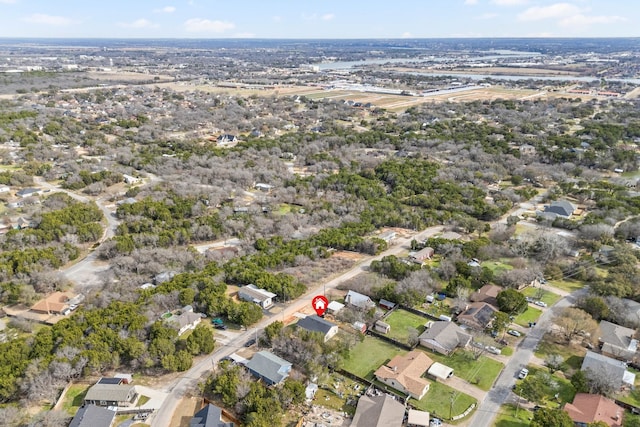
[368,356]
[401,321]
[548,297]
[437,401]
[481,373]
[572,355]
[74,398]
[529,315]
[566,391]
[496,267]
[510,416]
[567,285]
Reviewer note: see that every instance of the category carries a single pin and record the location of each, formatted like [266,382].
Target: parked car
[529,299]
[523,373]
[220,326]
[435,422]
[249,343]
[540,303]
[514,333]
[493,350]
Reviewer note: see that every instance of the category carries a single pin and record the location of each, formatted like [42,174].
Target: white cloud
[277,18]
[41,18]
[328,16]
[406,35]
[487,16]
[581,21]
[166,9]
[138,23]
[199,25]
[509,2]
[555,11]
[470,2]
[7,1]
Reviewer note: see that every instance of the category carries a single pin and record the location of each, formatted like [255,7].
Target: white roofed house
[359,300]
[252,293]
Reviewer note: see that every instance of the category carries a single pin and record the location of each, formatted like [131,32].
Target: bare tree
[574,321]
[553,362]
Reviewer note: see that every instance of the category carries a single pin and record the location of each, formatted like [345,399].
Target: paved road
[501,392]
[198,373]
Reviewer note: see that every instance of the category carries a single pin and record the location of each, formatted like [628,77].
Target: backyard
[369,355]
[438,401]
[481,373]
[74,398]
[401,321]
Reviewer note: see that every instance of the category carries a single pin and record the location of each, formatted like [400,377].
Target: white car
[493,350]
[523,373]
[540,303]
[435,422]
[514,333]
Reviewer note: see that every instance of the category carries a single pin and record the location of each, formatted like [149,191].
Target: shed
[440,371]
[382,327]
[418,418]
[387,305]
[334,307]
[311,390]
[360,326]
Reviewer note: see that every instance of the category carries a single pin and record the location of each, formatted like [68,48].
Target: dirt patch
[185,411]
[348,255]
[314,272]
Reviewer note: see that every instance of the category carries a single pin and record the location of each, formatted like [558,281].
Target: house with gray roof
[378,411]
[209,416]
[269,367]
[316,323]
[444,337]
[613,369]
[559,208]
[93,416]
[617,341]
[478,315]
[111,395]
[252,293]
[358,300]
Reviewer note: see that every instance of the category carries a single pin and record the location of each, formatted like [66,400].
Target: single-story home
[488,294]
[590,408]
[111,395]
[559,208]
[56,303]
[358,300]
[404,373]
[186,320]
[444,337]
[269,367]
[209,416]
[617,341]
[387,305]
[93,416]
[378,411]
[315,323]
[613,369]
[28,192]
[478,315]
[252,293]
[422,255]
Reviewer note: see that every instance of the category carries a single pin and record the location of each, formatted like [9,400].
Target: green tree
[200,341]
[272,330]
[580,382]
[547,417]
[596,306]
[500,322]
[511,301]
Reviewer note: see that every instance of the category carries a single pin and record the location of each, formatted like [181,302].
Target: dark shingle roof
[209,416]
[315,324]
[93,416]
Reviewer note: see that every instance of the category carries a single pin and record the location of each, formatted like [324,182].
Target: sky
[319,18]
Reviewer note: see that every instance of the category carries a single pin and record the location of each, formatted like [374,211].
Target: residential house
[444,337]
[617,341]
[28,192]
[252,293]
[269,367]
[186,320]
[387,305]
[111,395]
[478,315]
[209,416]
[315,323]
[487,294]
[388,236]
[56,303]
[607,367]
[559,208]
[591,408]
[93,416]
[404,373]
[422,255]
[128,179]
[358,300]
[378,411]
[265,188]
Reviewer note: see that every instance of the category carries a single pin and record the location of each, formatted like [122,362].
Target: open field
[401,322]
[545,296]
[524,71]
[368,356]
[481,373]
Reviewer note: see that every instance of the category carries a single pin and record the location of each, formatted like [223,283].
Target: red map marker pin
[320,304]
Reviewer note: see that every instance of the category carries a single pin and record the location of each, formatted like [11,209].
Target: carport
[440,371]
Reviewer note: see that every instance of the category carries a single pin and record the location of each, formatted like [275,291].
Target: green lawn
[548,297]
[336,390]
[529,315]
[496,267]
[437,401]
[567,285]
[507,351]
[566,391]
[369,355]
[507,416]
[400,322]
[572,355]
[74,398]
[481,373]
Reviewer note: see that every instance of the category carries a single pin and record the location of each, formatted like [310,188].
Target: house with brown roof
[56,303]
[589,408]
[404,373]
[488,294]
[378,411]
[478,315]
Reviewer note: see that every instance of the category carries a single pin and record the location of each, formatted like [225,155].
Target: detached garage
[440,371]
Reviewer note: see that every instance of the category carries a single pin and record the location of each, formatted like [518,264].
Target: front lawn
[567,285]
[369,355]
[571,354]
[437,401]
[401,321]
[74,398]
[511,416]
[547,297]
[565,390]
[481,373]
[529,315]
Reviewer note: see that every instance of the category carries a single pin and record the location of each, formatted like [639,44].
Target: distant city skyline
[318,19]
